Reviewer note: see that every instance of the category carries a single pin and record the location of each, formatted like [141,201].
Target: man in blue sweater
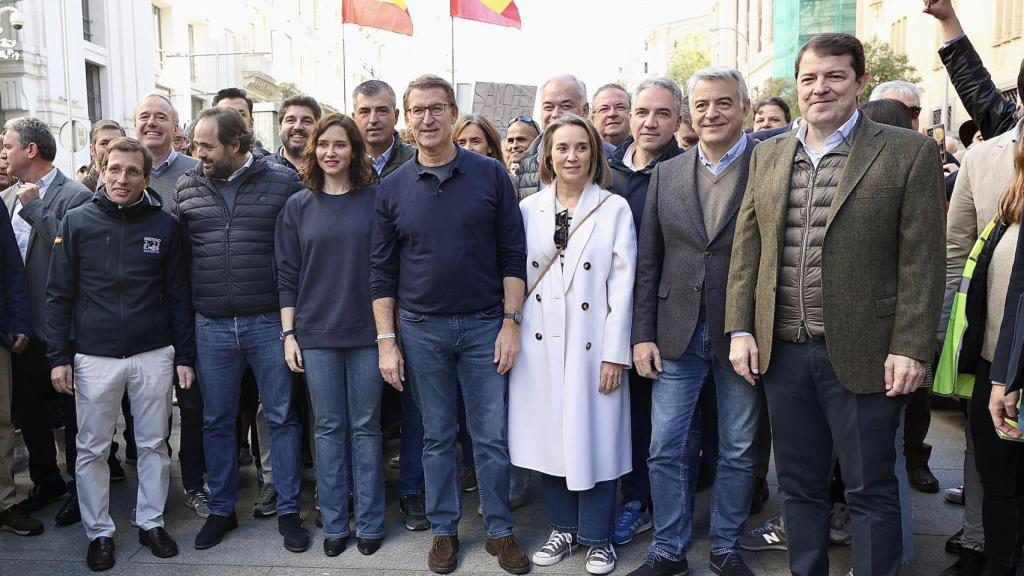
[449,248]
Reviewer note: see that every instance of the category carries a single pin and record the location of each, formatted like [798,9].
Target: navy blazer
[15,310]
[1008,360]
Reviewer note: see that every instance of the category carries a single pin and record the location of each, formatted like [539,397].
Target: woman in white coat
[568,399]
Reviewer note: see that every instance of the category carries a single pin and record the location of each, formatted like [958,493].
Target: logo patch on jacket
[58,240]
[150,245]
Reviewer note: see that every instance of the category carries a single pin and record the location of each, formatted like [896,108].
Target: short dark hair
[888,111]
[1020,82]
[104,124]
[231,94]
[230,127]
[34,131]
[300,100]
[834,44]
[374,87]
[428,81]
[599,174]
[125,144]
[774,101]
[360,172]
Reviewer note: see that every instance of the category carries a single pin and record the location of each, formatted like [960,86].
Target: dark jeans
[636,485]
[812,415]
[410,448]
[915,429]
[33,396]
[1000,464]
[589,514]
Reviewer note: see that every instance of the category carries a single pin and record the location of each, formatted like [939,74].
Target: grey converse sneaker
[558,546]
[601,559]
[198,501]
[266,505]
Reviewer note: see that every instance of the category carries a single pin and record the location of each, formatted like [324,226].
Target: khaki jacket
[882,277]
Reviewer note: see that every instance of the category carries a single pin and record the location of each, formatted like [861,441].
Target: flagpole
[453,51]
[344,72]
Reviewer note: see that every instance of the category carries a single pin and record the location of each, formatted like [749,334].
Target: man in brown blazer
[834,296]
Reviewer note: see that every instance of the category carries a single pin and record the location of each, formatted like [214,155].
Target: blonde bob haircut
[599,172]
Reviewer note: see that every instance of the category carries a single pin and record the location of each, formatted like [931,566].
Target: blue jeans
[345,388]
[441,353]
[224,346]
[410,448]
[589,514]
[673,460]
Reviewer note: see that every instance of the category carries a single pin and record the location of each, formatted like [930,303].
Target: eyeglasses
[915,111]
[561,229]
[419,112]
[116,172]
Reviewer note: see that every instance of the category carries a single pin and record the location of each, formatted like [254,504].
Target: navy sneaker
[632,520]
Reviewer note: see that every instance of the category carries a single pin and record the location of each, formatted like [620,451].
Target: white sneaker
[601,559]
[558,546]
[839,525]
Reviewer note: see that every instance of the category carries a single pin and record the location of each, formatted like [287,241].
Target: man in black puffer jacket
[118,319]
[228,210]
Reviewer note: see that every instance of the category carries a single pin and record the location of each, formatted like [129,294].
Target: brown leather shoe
[442,558]
[510,554]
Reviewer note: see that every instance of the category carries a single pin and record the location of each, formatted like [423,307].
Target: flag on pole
[500,12]
[391,15]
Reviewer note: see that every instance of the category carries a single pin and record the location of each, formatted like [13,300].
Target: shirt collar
[163,165]
[237,173]
[381,161]
[456,164]
[1017,131]
[833,140]
[44,183]
[627,158]
[735,152]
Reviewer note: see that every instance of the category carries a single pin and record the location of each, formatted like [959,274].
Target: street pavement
[255,548]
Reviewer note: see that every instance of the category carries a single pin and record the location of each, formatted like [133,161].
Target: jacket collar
[616,160]
[149,202]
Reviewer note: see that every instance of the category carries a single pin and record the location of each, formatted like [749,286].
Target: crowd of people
[631,298]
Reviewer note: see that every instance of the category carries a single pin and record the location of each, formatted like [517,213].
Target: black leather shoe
[159,542]
[40,496]
[101,554]
[759,496]
[970,563]
[214,530]
[335,546]
[296,538]
[69,512]
[368,546]
[922,479]
[954,544]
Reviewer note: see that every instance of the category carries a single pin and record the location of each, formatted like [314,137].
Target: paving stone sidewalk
[255,548]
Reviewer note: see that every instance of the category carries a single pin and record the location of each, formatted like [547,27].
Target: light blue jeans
[345,390]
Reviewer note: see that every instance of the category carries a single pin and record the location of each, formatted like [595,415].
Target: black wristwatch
[516,317]
[286,333]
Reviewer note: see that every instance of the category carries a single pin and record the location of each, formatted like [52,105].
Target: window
[193,64]
[1008,16]
[898,36]
[197,106]
[86,21]
[93,91]
[158,36]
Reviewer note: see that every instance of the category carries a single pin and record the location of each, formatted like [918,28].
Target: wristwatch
[286,333]
[516,317]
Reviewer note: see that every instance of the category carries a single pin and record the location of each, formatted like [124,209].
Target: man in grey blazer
[834,297]
[43,196]
[678,336]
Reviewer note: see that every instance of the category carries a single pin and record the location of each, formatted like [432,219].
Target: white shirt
[831,142]
[22,229]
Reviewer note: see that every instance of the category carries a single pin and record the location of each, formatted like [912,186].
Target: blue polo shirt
[445,237]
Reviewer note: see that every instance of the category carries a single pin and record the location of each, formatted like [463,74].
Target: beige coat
[984,175]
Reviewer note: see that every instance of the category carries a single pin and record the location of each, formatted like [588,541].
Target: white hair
[895,87]
[719,73]
[580,86]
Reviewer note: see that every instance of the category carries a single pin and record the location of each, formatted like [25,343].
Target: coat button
[535,264]
[707,255]
[538,297]
[538,336]
[586,265]
[586,306]
[588,345]
[696,287]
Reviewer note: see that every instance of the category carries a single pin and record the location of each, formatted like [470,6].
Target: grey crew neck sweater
[164,182]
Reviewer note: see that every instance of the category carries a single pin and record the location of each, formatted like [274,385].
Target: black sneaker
[214,530]
[658,566]
[970,563]
[40,496]
[116,471]
[729,564]
[14,521]
[414,512]
[296,538]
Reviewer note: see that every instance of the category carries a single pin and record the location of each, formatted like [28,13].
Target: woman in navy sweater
[323,263]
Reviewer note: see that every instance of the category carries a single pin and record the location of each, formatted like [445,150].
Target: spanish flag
[500,12]
[392,15]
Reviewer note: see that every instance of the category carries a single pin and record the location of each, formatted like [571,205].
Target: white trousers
[99,384]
